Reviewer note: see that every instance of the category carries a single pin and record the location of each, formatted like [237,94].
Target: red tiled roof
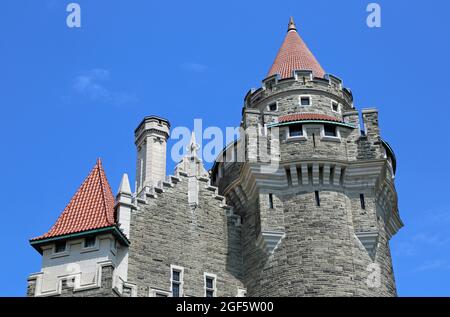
[294,55]
[307,116]
[92,207]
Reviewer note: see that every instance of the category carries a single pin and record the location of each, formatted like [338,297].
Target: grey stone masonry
[300,205]
[166,231]
[328,210]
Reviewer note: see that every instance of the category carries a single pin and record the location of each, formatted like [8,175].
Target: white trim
[338,106]
[92,248]
[153,292]
[271,103]
[66,251]
[214,278]
[303,137]
[75,283]
[180,282]
[304,96]
[242,292]
[324,137]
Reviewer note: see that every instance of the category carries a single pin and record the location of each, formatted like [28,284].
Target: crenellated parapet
[302,82]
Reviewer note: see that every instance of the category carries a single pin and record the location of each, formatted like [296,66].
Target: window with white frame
[295,130]
[176,281]
[210,285]
[335,106]
[305,101]
[330,130]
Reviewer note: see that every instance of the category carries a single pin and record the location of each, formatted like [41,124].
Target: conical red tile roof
[294,55]
[92,207]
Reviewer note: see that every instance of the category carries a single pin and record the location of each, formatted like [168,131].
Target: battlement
[98,269]
[301,80]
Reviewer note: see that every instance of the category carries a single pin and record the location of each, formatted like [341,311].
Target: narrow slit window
[317,196]
[210,286]
[335,106]
[271,201]
[363,201]
[295,130]
[288,176]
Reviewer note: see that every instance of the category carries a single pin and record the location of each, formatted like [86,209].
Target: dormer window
[295,130]
[60,247]
[305,101]
[330,130]
[273,107]
[89,242]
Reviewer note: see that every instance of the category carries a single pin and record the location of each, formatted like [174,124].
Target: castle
[302,204]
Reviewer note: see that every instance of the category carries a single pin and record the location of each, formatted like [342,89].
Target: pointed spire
[191,162]
[291,25]
[124,187]
[294,55]
[92,207]
[193,146]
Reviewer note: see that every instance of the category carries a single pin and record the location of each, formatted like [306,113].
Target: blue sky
[68,96]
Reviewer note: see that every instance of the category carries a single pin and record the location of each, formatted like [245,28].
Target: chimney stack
[151,142]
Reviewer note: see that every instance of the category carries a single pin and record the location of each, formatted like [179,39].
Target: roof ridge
[102,189]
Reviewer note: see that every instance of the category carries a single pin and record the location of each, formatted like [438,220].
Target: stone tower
[151,142]
[302,204]
[315,193]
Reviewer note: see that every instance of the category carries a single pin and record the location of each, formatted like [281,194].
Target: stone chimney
[151,142]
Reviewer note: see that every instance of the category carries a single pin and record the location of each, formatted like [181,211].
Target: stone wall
[334,249]
[320,254]
[67,290]
[168,231]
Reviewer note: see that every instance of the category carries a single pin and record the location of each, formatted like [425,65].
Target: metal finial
[291,25]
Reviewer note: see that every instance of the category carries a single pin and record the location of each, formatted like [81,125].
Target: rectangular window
[271,201]
[305,101]
[177,281]
[335,106]
[316,193]
[330,130]
[60,246]
[295,130]
[363,201]
[273,107]
[210,285]
[89,242]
